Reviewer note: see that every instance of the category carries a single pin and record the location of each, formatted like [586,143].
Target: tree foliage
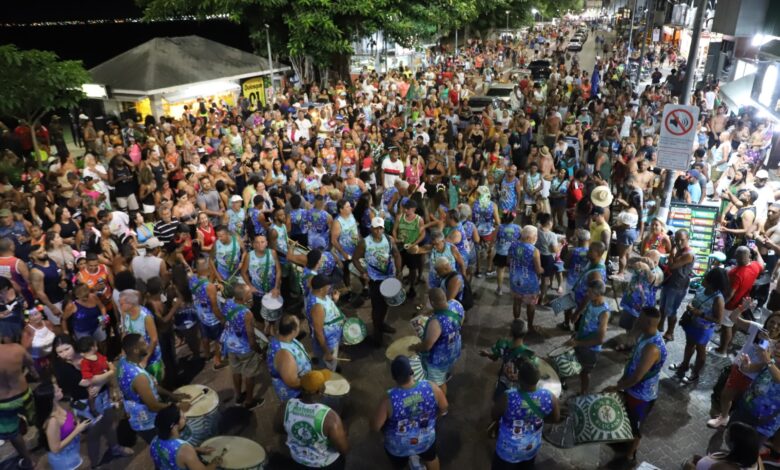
[36,82]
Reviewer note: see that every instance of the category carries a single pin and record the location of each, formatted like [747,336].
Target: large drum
[548,378]
[238,453]
[203,415]
[271,309]
[401,347]
[600,417]
[393,292]
[354,331]
[336,392]
[565,362]
[418,371]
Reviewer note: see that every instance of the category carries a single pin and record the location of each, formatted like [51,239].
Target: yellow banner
[254,90]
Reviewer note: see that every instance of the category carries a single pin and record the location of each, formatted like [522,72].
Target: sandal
[668,338]
[690,379]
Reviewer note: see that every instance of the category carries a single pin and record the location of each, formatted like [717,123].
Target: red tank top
[209,235]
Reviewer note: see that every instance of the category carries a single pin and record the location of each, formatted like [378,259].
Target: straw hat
[601,196]
[545,151]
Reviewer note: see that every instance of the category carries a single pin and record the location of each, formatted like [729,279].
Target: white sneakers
[718,422]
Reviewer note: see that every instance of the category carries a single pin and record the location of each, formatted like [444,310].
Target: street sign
[678,131]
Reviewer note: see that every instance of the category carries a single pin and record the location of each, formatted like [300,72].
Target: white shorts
[129,202]
[54,319]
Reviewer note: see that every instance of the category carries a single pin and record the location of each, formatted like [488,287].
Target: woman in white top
[37,338]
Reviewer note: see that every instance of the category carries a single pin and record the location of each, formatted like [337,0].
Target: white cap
[377,222]
[236,198]
[153,243]
[763,174]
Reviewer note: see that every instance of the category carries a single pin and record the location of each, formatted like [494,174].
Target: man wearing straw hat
[315,433]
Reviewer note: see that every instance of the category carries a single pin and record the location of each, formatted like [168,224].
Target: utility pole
[631,33]
[648,25]
[270,59]
[456,42]
[690,67]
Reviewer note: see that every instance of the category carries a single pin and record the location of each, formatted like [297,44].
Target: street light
[536,12]
[270,57]
[507,20]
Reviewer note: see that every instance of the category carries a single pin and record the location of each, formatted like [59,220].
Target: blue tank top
[379,259]
[352,193]
[483,215]
[520,428]
[139,326]
[333,322]
[254,216]
[262,271]
[446,349]
[86,319]
[433,278]
[411,427]
[581,284]
[301,358]
[164,453]
[522,273]
[348,238]
[507,234]
[318,229]
[236,222]
[201,300]
[508,195]
[234,337]
[463,246]
[589,322]
[297,221]
[577,264]
[141,417]
[227,258]
[647,388]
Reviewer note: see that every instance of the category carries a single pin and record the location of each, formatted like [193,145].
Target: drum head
[600,418]
[354,331]
[390,287]
[337,386]
[401,346]
[272,303]
[201,405]
[549,379]
[241,452]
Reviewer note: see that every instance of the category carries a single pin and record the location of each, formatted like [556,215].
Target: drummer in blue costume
[169,451]
[140,391]
[262,273]
[407,416]
[595,270]
[257,223]
[227,255]
[240,345]
[441,342]
[138,319]
[440,248]
[642,373]
[318,223]
[288,360]
[484,213]
[382,258]
[297,220]
[204,295]
[344,236]
[593,318]
[457,236]
[521,413]
[452,282]
[510,190]
[327,321]
[525,267]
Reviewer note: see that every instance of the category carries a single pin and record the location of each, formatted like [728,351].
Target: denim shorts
[626,237]
[670,301]
[212,332]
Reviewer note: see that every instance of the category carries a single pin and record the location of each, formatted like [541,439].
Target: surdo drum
[203,415]
[238,453]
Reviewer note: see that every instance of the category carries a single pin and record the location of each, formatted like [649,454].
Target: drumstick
[344,359]
[200,397]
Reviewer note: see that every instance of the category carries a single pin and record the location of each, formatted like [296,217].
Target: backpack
[467,298]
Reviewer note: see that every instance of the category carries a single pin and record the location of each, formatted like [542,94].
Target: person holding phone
[60,430]
[740,377]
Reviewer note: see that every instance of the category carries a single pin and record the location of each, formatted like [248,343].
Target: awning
[737,93]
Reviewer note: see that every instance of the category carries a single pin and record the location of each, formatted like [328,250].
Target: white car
[574,45]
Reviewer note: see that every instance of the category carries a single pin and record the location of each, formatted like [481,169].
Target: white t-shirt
[625,128]
[120,223]
[709,100]
[391,172]
[766,196]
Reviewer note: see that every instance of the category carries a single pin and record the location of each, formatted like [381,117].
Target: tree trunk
[36,147]
[341,63]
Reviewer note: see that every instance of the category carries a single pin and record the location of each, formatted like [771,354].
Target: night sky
[94,44]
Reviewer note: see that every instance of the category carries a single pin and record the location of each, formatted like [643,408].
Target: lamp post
[507,20]
[537,12]
[270,57]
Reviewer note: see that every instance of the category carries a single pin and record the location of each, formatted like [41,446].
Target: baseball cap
[401,368]
[597,210]
[152,243]
[5,213]
[762,174]
[377,222]
[313,381]
[236,198]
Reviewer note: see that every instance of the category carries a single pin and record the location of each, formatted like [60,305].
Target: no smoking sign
[678,132]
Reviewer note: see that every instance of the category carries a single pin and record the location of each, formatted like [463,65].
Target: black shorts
[501,261]
[586,357]
[401,462]
[411,261]
[548,264]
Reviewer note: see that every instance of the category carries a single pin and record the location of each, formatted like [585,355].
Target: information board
[700,222]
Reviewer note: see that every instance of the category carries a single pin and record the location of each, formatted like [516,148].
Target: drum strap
[531,404]
[264,277]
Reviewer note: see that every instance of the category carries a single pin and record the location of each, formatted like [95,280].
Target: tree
[36,82]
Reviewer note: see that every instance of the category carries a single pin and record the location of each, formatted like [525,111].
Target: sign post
[678,132]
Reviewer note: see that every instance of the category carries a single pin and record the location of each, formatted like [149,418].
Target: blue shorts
[626,237]
[698,335]
[670,301]
[211,332]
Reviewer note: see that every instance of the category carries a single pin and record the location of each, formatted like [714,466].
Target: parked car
[540,69]
[575,45]
[501,91]
[478,103]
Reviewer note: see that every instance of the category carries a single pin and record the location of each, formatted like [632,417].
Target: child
[507,350]
[92,364]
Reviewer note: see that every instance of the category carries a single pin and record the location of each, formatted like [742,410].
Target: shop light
[95,91]
[202,89]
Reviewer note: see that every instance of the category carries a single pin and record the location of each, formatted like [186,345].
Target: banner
[254,90]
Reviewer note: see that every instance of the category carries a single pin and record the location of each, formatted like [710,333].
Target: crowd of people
[187,234]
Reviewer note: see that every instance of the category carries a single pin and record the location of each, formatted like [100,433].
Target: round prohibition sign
[679,122]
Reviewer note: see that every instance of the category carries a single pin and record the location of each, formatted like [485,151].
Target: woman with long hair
[60,431]
[744,445]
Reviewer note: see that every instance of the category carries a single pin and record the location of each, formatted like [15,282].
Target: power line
[104,21]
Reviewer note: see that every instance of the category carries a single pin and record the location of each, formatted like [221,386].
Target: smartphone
[764,344]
